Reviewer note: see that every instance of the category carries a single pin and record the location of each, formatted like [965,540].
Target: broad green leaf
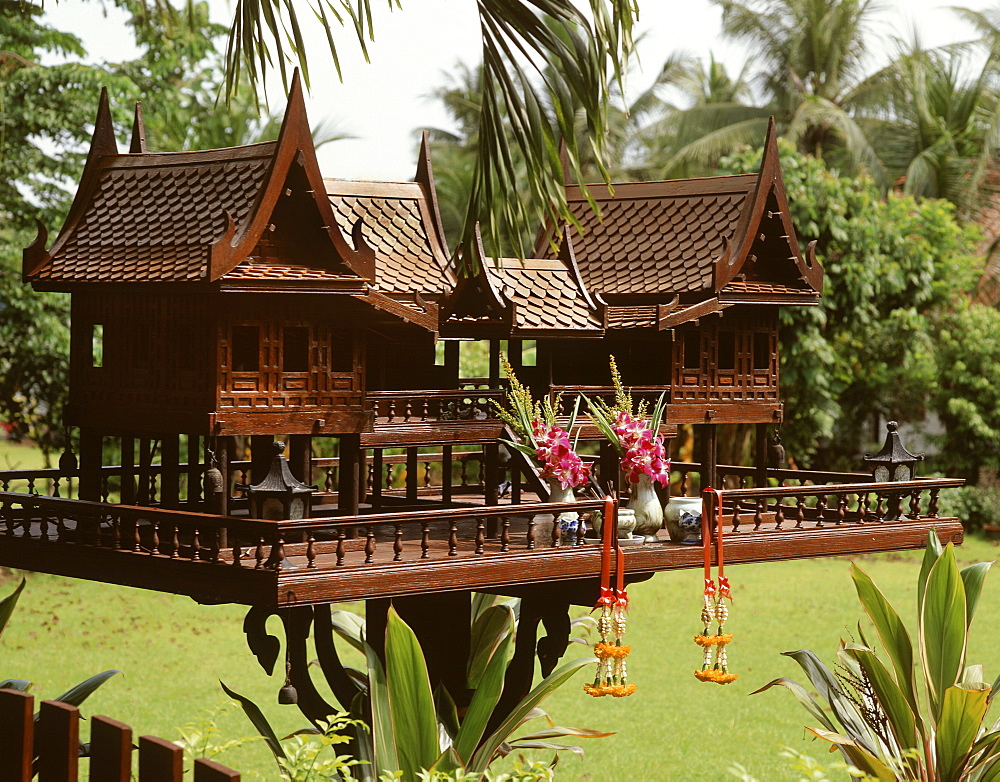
[447,712]
[891,631]
[364,751]
[448,762]
[385,757]
[349,626]
[942,628]
[482,757]
[8,603]
[857,755]
[487,694]
[803,697]
[932,553]
[830,690]
[258,720]
[487,632]
[411,702]
[962,713]
[21,685]
[557,731]
[890,697]
[526,744]
[78,694]
[973,577]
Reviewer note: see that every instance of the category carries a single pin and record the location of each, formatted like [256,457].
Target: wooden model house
[236,293]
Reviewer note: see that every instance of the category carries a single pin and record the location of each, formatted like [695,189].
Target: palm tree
[520,38]
[809,58]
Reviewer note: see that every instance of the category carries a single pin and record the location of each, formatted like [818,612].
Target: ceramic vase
[569,522]
[647,507]
[626,523]
[683,517]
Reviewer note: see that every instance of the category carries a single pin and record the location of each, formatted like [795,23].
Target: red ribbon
[712,506]
[609,539]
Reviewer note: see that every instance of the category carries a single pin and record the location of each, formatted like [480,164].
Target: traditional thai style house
[222,298]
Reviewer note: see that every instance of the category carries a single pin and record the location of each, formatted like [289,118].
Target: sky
[384,102]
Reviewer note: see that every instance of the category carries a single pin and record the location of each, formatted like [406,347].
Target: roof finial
[103,142]
[138,144]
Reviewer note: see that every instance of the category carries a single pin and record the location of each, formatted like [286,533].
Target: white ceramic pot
[683,518]
[647,507]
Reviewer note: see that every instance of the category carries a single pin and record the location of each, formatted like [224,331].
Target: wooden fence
[55,736]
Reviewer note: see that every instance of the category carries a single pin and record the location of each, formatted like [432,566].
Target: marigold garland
[611,677]
[715,664]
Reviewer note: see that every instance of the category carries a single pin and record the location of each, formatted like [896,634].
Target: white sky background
[384,102]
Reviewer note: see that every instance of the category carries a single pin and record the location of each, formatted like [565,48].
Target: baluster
[743,481]
[865,506]
[31,484]
[841,508]
[258,554]
[425,409]
[311,550]
[504,533]
[341,537]
[800,512]
[155,541]
[392,410]
[175,541]
[915,504]
[464,477]
[481,479]
[388,476]
[425,539]
[397,543]
[153,496]
[408,411]
[61,531]
[480,533]
[452,538]
[5,484]
[736,516]
[684,483]
[427,474]
[369,544]
[760,507]
[820,510]
[196,545]
[55,486]
[556,537]
[328,480]
[237,551]
[531,533]
[934,507]
[214,548]
[277,550]
[879,509]
[43,527]
[370,479]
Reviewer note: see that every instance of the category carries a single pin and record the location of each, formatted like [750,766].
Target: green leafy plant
[810,769]
[416,730]
[895,723]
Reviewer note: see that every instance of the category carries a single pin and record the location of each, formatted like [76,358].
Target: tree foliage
[868,350]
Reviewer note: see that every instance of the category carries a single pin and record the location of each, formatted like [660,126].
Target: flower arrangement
[541,439]
[630,430]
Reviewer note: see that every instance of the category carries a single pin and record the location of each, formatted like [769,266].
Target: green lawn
[173,652]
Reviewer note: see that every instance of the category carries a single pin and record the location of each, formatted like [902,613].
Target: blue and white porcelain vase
[683,517]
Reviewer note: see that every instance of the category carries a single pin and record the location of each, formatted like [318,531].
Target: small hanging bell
[776,454]
[287,695]
[68,463]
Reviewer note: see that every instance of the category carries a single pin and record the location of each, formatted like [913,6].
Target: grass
[173,652]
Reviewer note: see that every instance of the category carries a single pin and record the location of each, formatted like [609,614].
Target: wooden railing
[825,505]
[55,737]
[417,407]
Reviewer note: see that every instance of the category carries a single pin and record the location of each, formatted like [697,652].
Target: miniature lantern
[280,495]
[893,462]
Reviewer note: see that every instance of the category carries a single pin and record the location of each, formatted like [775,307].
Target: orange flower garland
[611,677]
[715,664]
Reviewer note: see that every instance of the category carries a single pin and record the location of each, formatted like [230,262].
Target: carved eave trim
[35,256]
[426,319]
[425,178]
[568,257]
[769,181]
[475,289]
[692,312]
[138,144]
[102,146]
[294,147]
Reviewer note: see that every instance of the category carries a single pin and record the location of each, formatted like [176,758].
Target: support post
[300,457]
[91,457]
[127,473]
[349,473]
[170,471]
[760,456]
[195,473]
[261,454]
[709,456]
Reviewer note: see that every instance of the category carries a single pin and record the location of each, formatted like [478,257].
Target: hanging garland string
[715,665]
[611,677]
